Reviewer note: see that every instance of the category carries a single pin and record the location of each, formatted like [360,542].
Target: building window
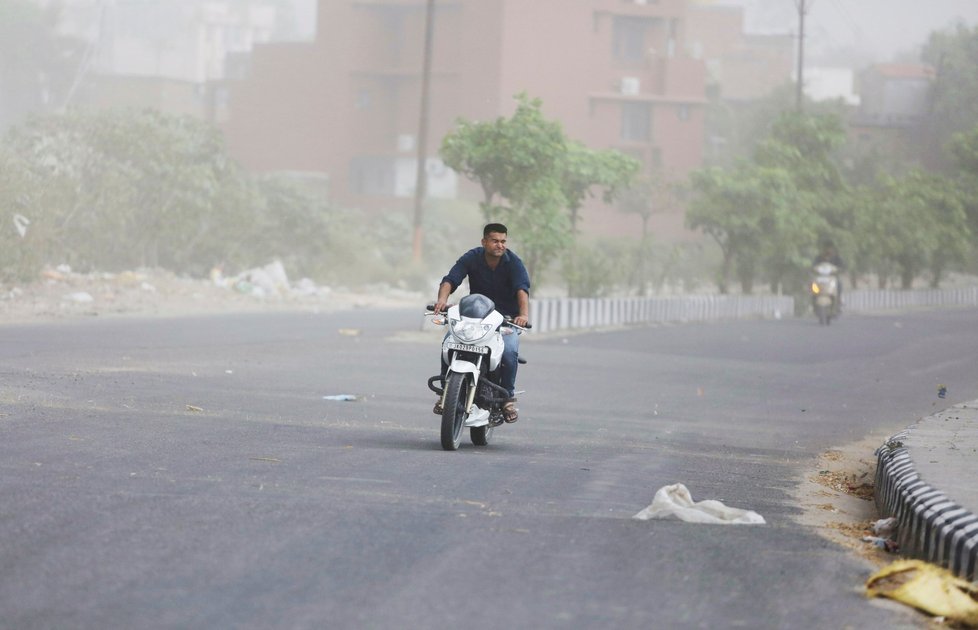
[636,122]
[628,38]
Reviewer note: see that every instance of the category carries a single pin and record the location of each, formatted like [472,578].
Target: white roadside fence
[864,301]
[549,315]
[553,314]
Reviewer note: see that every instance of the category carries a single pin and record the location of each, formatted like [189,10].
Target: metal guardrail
[549,315]
[553,314]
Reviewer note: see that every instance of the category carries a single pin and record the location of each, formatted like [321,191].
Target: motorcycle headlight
[815,288]
[469,331]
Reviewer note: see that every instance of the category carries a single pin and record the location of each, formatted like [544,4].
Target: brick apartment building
[616,73]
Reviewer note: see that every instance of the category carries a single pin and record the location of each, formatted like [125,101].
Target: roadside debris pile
[269,281]
[859,486]
[61,293]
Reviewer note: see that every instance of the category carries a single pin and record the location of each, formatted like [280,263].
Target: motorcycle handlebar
[430,309]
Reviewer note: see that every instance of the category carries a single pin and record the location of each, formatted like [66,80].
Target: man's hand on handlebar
[521,321]
[440,307]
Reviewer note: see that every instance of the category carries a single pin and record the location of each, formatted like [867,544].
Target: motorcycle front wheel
[454,414]
[822,314]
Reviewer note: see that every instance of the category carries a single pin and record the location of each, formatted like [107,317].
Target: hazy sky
[880,28]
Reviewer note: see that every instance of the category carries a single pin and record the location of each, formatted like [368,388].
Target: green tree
[807,146]
[582,170]
[742,209]
[123,189]
[954,55]
[913,224]
[647,195]
[964,152]
[533,176]
[507,157]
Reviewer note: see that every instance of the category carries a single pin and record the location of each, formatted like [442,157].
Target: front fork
[470,399]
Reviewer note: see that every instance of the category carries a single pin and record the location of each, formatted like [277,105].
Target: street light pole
[800,87]
[421,181]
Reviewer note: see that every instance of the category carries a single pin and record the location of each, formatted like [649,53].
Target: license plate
[462,347]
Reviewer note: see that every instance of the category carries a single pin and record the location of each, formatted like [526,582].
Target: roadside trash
[886,544]
[21,222]
[80,297]
[342,397]
[675,501]
[52,275]
[349,332]
[194,408]
[926,587]
[941,391]
[885,527]
[130,279]
[145,286]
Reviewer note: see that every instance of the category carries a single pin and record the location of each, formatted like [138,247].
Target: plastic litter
[926,587]
[79,297]
[342,397]
[886,544]
[675,501]
[885,527]
[942,391]
[21,222]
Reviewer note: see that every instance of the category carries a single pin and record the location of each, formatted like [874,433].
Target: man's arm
[452,280]
[444,290]
[523,300]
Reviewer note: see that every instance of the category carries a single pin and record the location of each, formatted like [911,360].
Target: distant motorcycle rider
[499,275]
[828,254]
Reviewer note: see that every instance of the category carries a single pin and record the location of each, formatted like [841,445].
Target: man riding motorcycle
[500,275]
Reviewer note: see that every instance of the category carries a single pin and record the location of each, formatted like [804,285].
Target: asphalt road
[188,473]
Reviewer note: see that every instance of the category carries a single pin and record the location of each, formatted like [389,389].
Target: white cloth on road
[675,502]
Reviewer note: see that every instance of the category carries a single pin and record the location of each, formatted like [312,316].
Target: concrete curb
[930,525]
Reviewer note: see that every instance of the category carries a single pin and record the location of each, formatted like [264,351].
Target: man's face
[495,244]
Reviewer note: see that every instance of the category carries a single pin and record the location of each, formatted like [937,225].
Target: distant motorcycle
[825,292]
[471,395]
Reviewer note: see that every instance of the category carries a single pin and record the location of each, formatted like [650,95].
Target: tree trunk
[906,278]
[724,284]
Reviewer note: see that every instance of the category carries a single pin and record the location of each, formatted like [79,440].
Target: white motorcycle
[471,395]
[825,292]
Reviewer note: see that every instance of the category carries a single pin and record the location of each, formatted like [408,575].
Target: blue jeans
[507,369]
[508,363]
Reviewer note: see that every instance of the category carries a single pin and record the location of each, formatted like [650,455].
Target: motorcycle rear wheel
[454,414]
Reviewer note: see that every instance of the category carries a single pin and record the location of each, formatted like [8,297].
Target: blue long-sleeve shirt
[499,285]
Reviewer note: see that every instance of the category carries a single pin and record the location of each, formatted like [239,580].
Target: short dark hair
[499,228]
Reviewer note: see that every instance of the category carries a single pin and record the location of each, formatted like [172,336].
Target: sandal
[510,413]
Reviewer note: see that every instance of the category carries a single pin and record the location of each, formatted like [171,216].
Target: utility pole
[421,182]
[800,87]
